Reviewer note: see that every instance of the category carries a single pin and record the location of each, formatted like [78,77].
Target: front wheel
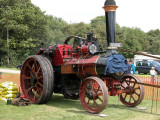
[93,95]
[37,79]
[135,93]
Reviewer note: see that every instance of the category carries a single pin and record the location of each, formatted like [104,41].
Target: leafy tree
[154,40]
[23,27]
[27,26]
[98,24]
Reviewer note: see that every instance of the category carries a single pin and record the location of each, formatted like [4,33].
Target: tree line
[23,27]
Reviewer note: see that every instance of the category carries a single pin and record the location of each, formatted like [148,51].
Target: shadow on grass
[58,100]
[75,106]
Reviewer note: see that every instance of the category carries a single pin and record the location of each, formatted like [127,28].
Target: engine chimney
[110,12]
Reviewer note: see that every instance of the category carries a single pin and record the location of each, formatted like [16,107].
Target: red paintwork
[84,49]
[61,52]
[64,54]
[113,86]
[40,51]
[86,65]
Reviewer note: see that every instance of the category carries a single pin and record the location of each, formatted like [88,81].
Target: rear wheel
[37,79]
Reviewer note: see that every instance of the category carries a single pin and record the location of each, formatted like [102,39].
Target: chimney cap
[109,2]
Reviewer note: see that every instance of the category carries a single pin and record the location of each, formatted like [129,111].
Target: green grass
[59,108]
[8,68]
[4,73]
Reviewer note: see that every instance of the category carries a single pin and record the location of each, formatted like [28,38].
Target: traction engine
[81,71]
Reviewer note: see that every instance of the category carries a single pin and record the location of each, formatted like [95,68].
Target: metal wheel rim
[100,99]
[136,94]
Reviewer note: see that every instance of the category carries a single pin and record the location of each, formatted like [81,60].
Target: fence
[149,91]
[15,78]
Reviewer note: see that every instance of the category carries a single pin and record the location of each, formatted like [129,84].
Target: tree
[154,40]
[98,24]
[27,27]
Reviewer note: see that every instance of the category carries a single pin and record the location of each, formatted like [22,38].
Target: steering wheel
[77,41]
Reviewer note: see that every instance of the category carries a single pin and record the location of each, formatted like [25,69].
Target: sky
[143,14]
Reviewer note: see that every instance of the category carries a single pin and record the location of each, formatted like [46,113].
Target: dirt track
[10,71]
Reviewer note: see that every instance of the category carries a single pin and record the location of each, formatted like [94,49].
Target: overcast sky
[144,14]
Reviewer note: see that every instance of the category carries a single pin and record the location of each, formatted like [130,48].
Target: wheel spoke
[93,104]
[100,94]
[125,95]
[40,77]
[26,77]
[134,85]
[96,90]
[38,70]
[135,91]
[93,85]
[127,83]
[123,86]
[30,89]
[88,101]
[35,65]
[86,90]
[137,88]
[137,94]
[30,68]
[34,98]
[39,84]
[100,99]
[39,91]
[97,104]
[133,98]
[90,84]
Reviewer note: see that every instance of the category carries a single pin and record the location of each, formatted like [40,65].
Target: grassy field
[4,73]
[8,68]
[59,108]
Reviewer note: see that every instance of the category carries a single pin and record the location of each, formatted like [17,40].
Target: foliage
[28,27]
[98,24]
[132,39]
[154,40]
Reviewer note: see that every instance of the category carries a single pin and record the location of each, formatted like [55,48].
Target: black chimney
[110,12]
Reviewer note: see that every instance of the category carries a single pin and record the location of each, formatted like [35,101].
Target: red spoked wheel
[135,93]
[93,95]
[37,79]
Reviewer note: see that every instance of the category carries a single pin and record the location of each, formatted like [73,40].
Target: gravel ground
[10,71]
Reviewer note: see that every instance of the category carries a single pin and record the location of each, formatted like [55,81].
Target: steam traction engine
[80,71]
